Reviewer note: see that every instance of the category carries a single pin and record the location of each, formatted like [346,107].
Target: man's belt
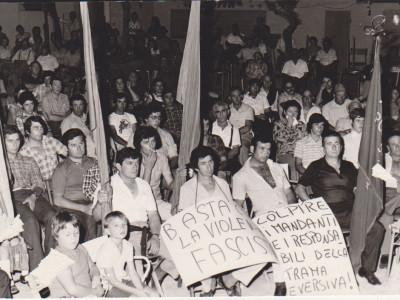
[143,241]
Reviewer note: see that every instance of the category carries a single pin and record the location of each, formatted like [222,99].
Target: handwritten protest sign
[214,237]
[310,248]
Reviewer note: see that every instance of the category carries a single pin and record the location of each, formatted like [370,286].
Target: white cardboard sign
[310,248]
[214,237]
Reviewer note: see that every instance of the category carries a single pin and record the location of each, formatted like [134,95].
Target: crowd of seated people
[246,140]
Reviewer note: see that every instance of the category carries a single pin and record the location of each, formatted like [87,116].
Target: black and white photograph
[200,148]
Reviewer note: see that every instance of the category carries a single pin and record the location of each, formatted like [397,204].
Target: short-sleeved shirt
[326,58]
[327,183]
[160,169]
[352,143]
[308,150]
[56,106]
[109,256]
[73,121]
[313,110]
[81,271]
[123,124]
[333,111]
[48,62]
[239,116]
[168,145]
[263,197]
[68,178]
[193,192]
[229,135]
[259,103]
[135,209]
[295,70]
[46,160]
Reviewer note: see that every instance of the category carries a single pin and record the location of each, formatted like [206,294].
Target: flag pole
[188,94]
[94,105]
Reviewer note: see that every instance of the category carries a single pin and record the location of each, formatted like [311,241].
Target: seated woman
[81,279]
[335,180]
[287,132]
[201,187]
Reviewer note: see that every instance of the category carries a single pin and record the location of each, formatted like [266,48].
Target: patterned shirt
[255,69]
[308,150]
[90,181]
[26,173]
[22,116]
[174,119]
[290,135]
[47,159]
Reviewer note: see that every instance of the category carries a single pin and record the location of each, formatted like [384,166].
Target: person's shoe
[14,289]
[23,280]
[234,290]
[372,279]
[280,289]
[384,261]
[44,293]
[208,294]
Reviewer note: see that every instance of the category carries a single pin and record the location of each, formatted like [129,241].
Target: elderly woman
[335,180]
[287,131]
[201,187]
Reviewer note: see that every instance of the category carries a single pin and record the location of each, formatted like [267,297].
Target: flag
[6,204]
[96,118]
[369,193]
[188,94]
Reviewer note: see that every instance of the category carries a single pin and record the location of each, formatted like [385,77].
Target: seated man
[335,180]
[336,108]
[122,124]
[289,93]
[344,124]
[68,181]
[229,135]
[78,119]
[174,112]
[392,198]
[153,113]
[133,197]
[154,166]
[326,92]
[241,118]
[296,69]
[267,186]
[28,190]
[40,147]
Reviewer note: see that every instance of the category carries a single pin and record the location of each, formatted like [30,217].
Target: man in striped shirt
[309,148]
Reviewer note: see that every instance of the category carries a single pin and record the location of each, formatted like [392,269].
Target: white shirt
[263,197]
[239,116]
[168,145]
[295,70]
[313,110]
[352,143]
[48,62]
[235,39]
[193,192]
[333,111]
[28,55]
[259,104]
[5,52]
[109,256]
[135,209]
[226,134]
[123,124]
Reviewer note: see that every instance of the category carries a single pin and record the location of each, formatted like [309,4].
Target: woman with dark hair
[156,93]
[201,187]
[287,131]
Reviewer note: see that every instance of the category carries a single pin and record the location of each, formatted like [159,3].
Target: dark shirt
[336,189]
[326,96]
[174,119]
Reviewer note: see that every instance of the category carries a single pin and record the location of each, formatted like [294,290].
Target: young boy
[114,254]
[81,279]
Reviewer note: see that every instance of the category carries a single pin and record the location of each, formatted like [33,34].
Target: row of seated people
[259,174]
